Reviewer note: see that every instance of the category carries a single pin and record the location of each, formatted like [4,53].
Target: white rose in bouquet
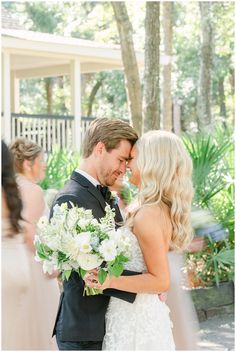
[89,261]
[108,250]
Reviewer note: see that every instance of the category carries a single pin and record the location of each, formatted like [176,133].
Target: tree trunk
[130,63]
[221,91]
[92,96]
[85,79]
[49,91]
[232,80]
[205,122]
[167,26]
[60,81]
[152,67]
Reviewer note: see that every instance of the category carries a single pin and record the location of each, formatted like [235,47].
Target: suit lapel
[84,182]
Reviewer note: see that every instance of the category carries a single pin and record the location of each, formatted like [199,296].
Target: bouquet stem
[89,291]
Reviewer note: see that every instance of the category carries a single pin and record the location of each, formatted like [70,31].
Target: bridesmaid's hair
[11,191]
[23,149]
[165,171]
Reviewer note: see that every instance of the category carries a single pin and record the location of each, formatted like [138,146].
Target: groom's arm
[125,296]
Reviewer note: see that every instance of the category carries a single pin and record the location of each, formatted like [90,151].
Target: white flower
[67,266]
[64,207]
[72,217]
[58,220]
[89,261]
[113,235]
[70,247]
[60,209]
[85,247]
[121,240]
[83,222]
[42,223]
[48,267]
[108,250]
[94,222]
[37,258]
[83,242]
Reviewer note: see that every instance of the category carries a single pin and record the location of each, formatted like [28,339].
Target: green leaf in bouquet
[61,257]
[116,269]
[102,275]
[103,236]
[90,228]
[43,250]
[78,228]
[121,259]
[66,275]
[82,272]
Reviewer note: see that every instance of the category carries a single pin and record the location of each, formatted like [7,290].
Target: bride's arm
[154,240]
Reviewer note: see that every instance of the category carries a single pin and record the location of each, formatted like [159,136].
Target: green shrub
[213,175]
[60,164]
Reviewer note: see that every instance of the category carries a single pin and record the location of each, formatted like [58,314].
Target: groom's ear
[99,148]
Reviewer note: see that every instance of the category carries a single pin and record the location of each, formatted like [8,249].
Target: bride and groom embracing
[129,315]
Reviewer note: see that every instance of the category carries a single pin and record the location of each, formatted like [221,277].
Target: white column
[6,97]
[76,101]
[15,93]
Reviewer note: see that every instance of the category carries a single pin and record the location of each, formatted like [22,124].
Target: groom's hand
[162,296]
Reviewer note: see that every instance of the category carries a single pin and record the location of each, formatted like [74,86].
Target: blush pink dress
[45,291]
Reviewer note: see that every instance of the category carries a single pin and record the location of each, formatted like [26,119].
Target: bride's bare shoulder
[149,214]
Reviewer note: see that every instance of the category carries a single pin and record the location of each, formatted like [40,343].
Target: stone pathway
[217,334]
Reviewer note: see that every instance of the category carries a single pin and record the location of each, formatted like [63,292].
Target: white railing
[47,130]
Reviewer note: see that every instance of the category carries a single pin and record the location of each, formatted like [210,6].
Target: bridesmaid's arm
[154,243]
[33,208]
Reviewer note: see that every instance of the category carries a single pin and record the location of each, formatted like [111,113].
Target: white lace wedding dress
[143,325]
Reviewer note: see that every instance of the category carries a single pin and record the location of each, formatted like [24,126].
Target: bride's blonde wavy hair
[165,171]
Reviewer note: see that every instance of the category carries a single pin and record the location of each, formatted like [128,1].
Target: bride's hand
[91,280]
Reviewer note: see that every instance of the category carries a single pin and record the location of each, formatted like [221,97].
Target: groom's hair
[108,131]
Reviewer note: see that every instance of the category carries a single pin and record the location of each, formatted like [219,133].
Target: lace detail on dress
[137,262]
[143,325]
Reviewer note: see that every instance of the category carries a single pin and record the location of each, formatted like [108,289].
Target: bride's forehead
[134,151]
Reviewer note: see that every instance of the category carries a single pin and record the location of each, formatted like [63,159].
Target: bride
[159,222]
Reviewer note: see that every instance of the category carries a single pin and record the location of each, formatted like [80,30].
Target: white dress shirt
[89,177]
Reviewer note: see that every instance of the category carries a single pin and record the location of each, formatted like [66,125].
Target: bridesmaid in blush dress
[16,327]
[30,167]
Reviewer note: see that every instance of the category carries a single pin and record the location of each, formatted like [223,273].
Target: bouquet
[73,240]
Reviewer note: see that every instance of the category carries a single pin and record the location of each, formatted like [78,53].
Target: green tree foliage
[95,21]
[186,47]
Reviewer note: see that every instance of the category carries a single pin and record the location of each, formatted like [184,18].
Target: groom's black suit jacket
[82,318]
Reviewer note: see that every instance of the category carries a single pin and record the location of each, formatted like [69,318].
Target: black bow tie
[105,192]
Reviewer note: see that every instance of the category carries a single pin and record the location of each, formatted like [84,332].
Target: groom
[80,322]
